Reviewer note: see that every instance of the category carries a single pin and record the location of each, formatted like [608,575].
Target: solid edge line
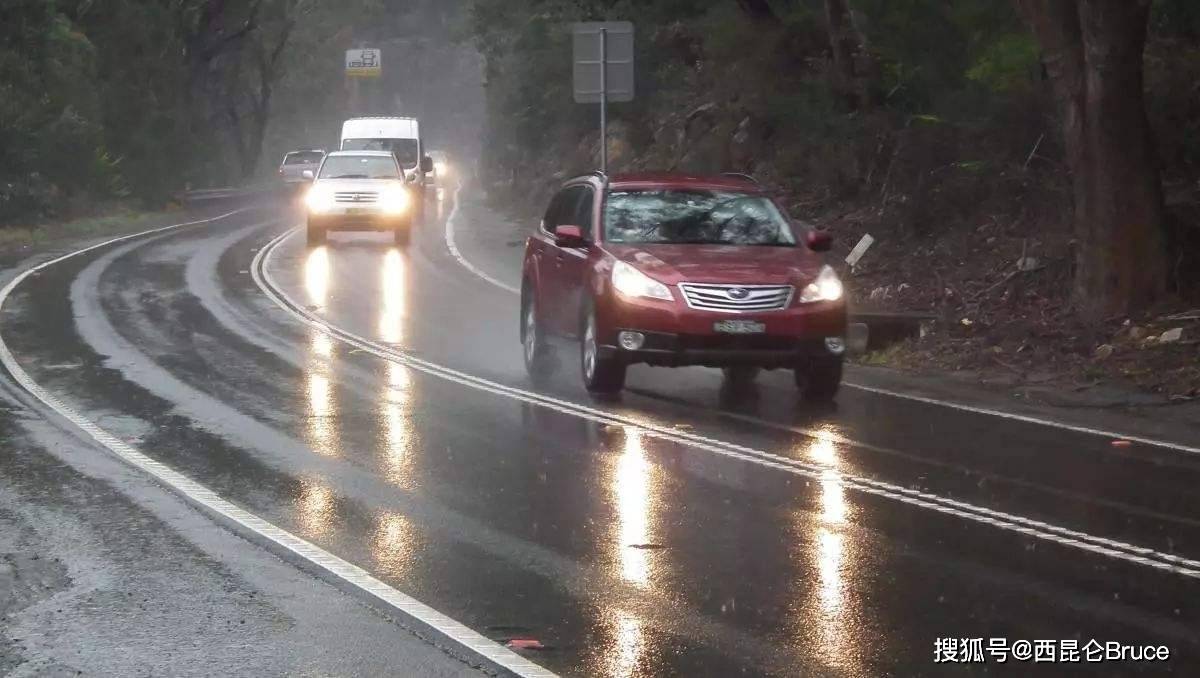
[308,557]
[1024,418]
[1028,419]
[1030,527]
[454,251]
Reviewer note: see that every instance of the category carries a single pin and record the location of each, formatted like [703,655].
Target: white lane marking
[295,547]
[260,270]
[1024,418]
[1153,442]
[453,247]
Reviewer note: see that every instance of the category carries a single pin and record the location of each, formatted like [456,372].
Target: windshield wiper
[349,176]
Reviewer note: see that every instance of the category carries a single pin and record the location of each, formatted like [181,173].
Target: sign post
[603,69]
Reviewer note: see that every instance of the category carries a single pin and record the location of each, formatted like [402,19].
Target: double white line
[1009,522]
[344,575]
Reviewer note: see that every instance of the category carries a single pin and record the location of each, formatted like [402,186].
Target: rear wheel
[539,357]
[819,379]
[316,234]
[740,375]
[601,375]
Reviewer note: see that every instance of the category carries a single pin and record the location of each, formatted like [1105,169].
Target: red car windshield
[693,216]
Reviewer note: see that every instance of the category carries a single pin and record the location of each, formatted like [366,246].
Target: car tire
[819,380]
[539,356]
[740,375]
[601,375]
[401,236]
[419,209]
[315,235]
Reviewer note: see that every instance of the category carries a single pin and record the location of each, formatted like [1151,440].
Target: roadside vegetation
[128,102]
[1028,168]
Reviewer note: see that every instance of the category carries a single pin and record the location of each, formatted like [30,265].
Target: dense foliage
[141,98]
[923,117]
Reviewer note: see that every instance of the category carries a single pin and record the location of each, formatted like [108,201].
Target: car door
[572,262]
[543,257]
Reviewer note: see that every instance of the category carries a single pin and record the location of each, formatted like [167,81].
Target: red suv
[679,270]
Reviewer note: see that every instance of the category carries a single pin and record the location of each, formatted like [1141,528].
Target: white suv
[360,191]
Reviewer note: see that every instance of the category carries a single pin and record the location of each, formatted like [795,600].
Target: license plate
[740,327]
[357,210]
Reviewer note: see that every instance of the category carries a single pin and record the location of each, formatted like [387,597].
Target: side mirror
[569,236]
[819,241]
[308,174]
[426,164]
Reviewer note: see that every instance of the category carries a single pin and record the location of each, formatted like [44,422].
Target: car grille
[359,197]
[736,298]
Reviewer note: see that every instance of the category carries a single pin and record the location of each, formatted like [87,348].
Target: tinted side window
[583,210]
[562,209]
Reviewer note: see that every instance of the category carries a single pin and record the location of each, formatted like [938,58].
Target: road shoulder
[104,571]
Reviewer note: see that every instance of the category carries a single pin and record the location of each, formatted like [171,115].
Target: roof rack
[740,175]
[594,173]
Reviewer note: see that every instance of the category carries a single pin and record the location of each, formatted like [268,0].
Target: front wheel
[315,235]
[539,358]
[401,236]
[601,375]
[819,380]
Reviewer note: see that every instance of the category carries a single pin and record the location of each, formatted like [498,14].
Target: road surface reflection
[400,439]
[394,294]
[825,618]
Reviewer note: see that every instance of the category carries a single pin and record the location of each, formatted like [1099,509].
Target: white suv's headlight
[827,287]
[633,283]
[319,199]
[393,200]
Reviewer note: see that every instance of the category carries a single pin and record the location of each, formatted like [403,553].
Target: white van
[401,136]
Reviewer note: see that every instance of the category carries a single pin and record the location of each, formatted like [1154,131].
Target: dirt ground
[1000,298]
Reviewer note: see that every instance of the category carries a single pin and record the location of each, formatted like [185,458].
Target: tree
[249,95]
[855,72]
[1092,51]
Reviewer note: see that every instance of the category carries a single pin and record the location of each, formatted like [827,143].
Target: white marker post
[604,100]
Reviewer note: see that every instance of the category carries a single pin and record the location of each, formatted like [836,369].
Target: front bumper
[339,219]
[674,350]
[676,335]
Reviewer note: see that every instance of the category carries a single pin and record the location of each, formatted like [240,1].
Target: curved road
[373,402]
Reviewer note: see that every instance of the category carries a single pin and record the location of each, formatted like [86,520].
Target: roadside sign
[603,69]
[617,48]
[364,62]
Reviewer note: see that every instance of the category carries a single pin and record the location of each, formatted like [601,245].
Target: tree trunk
[1092,51]
[759,10]
[851,60]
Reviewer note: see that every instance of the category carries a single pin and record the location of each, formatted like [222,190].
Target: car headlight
[633,283]
[439,167]
[393,200]
[319,199]
[827,287]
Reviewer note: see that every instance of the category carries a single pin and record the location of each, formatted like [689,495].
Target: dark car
[678,270]
[294,164]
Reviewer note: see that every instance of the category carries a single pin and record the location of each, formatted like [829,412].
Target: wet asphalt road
[684,529]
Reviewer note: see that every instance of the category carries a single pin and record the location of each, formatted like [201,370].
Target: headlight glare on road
[393,200]
[633,283]
[827,287]
[319,199]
